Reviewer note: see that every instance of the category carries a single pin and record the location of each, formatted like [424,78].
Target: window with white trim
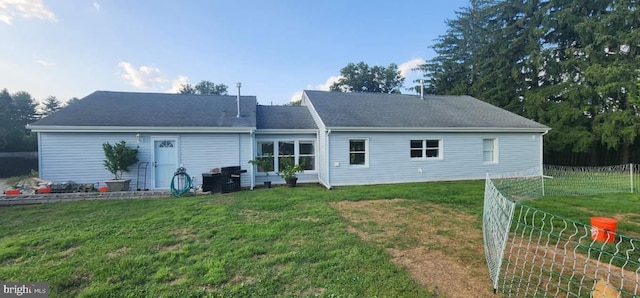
[265,151]
[490,150]
[426,149]
[358,152]
[302,152]
[285,150]
[306,155]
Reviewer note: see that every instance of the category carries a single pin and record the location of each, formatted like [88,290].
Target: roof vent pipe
[422,89]
[238,99]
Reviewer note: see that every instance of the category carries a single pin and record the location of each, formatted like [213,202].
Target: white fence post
[631,176]
[542,179]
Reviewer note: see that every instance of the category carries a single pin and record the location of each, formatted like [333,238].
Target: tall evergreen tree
[570,64]
[50,106]
[15,113]
[456,67]
[6,118]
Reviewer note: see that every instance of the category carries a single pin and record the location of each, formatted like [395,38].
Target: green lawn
[262,243]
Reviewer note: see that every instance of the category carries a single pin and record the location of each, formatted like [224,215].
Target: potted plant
[119,158]
[288,170]
[264,164]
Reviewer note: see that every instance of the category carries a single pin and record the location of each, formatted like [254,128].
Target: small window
[306,156]
[432,148]
[489,150]
[358,152]
[426,149]
[416,148]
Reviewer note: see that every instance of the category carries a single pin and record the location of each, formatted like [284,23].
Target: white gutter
[137,129]
[287,131]
[439,129]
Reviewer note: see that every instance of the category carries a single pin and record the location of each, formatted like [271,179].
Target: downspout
[542,160]
[542,151]
[328,182]
[39,134]
[252,137]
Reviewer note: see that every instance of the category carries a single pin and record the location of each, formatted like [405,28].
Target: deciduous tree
[362,78]
[204,88]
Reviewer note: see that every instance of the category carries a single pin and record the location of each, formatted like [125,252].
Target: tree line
[16,111]
[572,65]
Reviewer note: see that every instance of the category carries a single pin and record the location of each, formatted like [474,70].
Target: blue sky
[275,48]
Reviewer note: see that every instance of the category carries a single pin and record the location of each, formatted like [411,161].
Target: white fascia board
[140,129]
[438,129]
[312,110]
[285,131]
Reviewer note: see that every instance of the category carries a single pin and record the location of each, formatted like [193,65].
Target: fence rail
[533,253]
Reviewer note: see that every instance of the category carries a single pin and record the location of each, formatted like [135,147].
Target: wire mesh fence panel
[522,185]
[548,255]
[585,181]
[497,215]
[545,255]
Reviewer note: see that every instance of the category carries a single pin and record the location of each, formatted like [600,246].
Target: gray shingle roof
[284,117]
[375,110]
[105,108]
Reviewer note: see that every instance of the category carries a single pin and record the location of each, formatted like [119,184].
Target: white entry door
[165,161]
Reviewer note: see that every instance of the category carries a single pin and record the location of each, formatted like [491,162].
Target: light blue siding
[202,152]
[79,156]
[462,158]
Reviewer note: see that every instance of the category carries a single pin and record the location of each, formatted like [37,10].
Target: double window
[302,152]
[426,148]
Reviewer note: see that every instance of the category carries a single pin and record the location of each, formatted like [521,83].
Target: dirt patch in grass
[313,292]
[242,279]
[441,248]
[172,247]
[178,280]
[69,251]
[255,215]
[184,234]
[309,218]
[121,251]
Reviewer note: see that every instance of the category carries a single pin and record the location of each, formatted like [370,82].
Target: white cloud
[143,77]
[406,68]
[24,8]
[326,85]
[323,87]
[96,5]
[177,84]
[45,63]
[296,96]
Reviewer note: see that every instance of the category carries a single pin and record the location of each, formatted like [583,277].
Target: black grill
[228,180]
